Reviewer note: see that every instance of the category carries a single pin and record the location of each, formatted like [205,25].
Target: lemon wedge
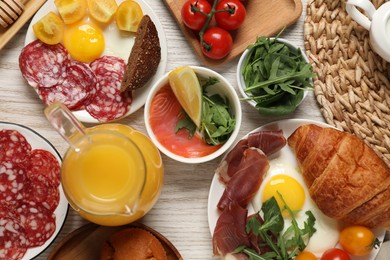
[128,16]
[102,10]
[186,87]
[71,11]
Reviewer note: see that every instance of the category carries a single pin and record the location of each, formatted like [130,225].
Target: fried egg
[84,41]
[88,40]
[284,178]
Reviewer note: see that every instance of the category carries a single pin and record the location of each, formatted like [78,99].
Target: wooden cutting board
[30,8]
[264,18]
[85,243]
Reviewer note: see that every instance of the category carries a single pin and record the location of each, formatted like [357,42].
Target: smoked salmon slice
[165,112]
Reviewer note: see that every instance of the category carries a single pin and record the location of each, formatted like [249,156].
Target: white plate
[125,44]
[39,142]
[288,126]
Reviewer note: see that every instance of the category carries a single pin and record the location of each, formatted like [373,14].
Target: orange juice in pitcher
[111,174]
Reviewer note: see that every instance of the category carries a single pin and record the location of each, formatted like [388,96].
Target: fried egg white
[88,40]
[285,178]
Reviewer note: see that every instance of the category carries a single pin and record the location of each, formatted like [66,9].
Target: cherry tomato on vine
[233,17]
[193,13]
[357,240]
[217,43]
[335,254]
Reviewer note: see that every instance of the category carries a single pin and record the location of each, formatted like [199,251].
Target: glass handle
[66,124]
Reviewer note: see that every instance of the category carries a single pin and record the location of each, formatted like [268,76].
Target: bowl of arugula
[198,124]
[274,76]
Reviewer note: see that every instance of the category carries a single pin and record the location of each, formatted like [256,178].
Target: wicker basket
[353,82]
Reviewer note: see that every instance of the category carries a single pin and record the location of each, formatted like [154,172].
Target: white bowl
[224,88]
[240,78]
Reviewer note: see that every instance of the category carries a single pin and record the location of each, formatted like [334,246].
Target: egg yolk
[84,41]
[291,190]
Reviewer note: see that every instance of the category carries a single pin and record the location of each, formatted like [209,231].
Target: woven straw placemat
[353,83]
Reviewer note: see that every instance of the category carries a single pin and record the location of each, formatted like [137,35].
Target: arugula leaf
[217,120]
[186,123]
[289,243]
[272,70]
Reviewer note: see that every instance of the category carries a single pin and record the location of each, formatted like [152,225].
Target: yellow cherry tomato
[71,11]
[49,29]
[358,240]
[306,255]
[128,16]
[102,10]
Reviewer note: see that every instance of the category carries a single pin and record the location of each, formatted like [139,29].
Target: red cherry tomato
[335,254]
[357,240]
[217,43]
[233,17]
[194,19]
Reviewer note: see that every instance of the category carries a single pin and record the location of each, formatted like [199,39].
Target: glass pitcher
[111,174]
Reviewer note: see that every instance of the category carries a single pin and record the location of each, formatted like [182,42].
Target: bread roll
[346,179]
[132,243]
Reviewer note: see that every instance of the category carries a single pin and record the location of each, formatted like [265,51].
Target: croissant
[346,179]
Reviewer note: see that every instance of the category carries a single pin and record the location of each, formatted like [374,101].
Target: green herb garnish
[217,120]
[289,243]
[275,76]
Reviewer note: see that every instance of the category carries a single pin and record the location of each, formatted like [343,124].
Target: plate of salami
[33,206]
[270,168]
[90,88]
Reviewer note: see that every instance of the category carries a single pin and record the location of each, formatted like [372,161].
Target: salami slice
[45,164]
[109,103]
[12,181]
[38,222]
[38,190]
[13,241]
[74,90]
[108,64]
[13,146]
[43,65]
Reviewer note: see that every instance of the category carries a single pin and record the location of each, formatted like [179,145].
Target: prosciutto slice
[229,232]
[269,142]
[244,184]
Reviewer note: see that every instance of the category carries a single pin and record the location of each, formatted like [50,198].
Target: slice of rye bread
[144,57]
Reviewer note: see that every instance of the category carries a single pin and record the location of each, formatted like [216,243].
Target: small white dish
[224,88]
[240,78]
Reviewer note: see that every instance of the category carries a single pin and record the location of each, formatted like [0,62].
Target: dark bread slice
[144,57]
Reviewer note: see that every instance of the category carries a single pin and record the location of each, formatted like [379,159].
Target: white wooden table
[181,212]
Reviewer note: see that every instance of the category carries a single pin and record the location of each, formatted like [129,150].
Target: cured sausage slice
[13,146]
[74,90]
[43,65]
[44,163]
[109,103]
[13,241]
[108,64]
[38,222]
[38,190]
[12,180]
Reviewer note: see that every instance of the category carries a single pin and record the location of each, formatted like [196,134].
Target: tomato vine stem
[194,8]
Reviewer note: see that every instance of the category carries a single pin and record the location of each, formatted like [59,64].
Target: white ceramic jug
[377,22]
